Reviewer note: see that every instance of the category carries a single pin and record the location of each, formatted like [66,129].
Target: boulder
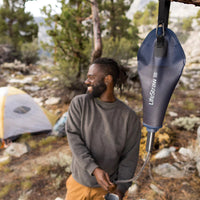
[165,152]
[16,149]
[53,101]
[186,152]
[169,171]
[156,189]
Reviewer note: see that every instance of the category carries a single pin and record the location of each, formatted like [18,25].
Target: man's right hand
[103,178]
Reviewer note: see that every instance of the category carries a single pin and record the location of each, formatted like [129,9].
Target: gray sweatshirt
[105,135]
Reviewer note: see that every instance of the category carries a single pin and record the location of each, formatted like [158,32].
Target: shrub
[120,49]
[29,52]
[187,123]
[187,24]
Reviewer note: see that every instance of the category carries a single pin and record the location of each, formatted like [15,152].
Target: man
[104,136]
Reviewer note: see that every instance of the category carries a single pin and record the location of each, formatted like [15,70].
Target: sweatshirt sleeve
[77,145]
[129,158]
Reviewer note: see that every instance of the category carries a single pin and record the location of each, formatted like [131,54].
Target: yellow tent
[20,114]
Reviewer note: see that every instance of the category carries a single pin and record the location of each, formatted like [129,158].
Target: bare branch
[96,30]
[194,2]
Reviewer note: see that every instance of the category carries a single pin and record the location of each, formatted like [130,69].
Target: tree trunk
[113,19]
[96,30]
[195,2]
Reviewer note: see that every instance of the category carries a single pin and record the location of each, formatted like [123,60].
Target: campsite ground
[41,173]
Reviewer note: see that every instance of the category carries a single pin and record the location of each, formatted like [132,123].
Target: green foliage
[149,16]
[121,37]
[5,190]
[69,40]
[198,14]
[4,163]
[46,141]
[187,23]
[71,34]
[189,105]
[16,26]
[120,49]
[114,17]
[29,52]
[26,185]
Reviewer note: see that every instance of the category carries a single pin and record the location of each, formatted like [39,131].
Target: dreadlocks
[111,67]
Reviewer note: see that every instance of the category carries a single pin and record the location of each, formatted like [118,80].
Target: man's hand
[102,178]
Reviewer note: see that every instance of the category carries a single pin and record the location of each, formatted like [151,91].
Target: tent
[20,114]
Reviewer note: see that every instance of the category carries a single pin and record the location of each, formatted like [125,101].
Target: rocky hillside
[177,10]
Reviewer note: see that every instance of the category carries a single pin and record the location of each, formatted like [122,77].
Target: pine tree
[148,16]
[120,36]
[16,26]
[70,40]
[114,14]
[72,36]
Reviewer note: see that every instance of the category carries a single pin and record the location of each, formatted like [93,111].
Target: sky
[176,10]
[34,6]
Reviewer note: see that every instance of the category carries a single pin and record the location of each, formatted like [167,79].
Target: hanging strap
[163,16]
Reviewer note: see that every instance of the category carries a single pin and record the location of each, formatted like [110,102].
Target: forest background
[55,65]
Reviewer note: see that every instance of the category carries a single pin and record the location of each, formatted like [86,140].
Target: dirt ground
[34,177]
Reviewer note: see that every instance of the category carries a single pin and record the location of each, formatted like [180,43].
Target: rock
[25,195]
[55,79]
[166,152]
[133,189]
[52,101]
[195,25]
[17,66]
[34,88]
[163,153]
[186,152]
[16,149]
[185,81]
[22,81]
[4,159]
[195,53]
[58,198]
[39,101]
[198,135]
[168,170]
[198,167]
[172,149]
[190,168]
[156,189]
[172,114]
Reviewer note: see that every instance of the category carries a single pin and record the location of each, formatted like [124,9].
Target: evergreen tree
[114,17]
[148,16]
[72,36]
[69,33]
[121,38]
[16,26]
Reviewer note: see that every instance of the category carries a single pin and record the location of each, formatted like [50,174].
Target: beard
[98,90]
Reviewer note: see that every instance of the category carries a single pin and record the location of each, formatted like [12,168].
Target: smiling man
[104,136]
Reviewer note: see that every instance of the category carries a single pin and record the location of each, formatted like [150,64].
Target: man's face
[95,81]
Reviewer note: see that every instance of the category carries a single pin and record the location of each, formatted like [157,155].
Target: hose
[149,147]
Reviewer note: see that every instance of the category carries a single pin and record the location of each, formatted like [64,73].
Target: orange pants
[76,191]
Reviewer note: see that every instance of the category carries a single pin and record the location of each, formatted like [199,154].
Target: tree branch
[96,30]
[194,2]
